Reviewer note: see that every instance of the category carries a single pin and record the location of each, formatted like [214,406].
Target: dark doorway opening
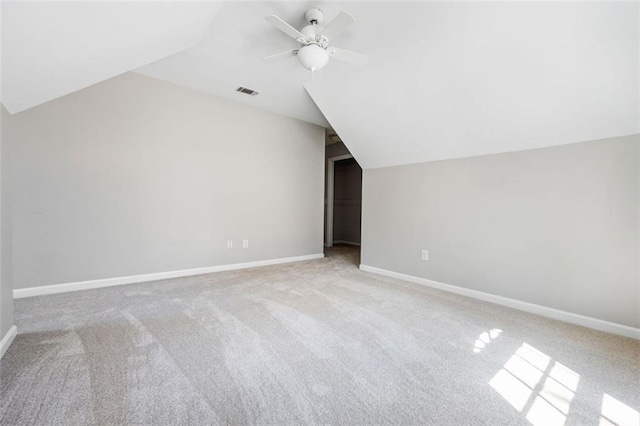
[343,206]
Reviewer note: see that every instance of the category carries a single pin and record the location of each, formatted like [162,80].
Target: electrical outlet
[245,243]
[425,255]
[229,244]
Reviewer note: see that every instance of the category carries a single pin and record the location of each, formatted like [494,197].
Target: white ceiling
[50,49]
[444,80]
[465,79]
[232,53]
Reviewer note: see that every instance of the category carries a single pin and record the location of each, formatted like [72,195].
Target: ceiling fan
[314,51]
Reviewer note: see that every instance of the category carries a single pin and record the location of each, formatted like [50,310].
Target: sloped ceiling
[232,52]
[50,49]
[465,79]
[444,79]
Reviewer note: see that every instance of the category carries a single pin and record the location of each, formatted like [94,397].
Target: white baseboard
[109,282]
[7,340]
[351,243]
[597,324]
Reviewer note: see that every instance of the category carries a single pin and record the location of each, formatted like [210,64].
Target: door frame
[331,163]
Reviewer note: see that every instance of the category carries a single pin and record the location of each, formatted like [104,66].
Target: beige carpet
[316,342]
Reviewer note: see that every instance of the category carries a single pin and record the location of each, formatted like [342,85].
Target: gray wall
[347,201]
[135,175]
[6,286]
[556,226]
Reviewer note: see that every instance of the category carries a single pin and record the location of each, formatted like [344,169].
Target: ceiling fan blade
[338,25]
[284,27]
[347,56]
[281,55]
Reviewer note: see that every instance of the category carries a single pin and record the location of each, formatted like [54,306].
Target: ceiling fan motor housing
[311,32]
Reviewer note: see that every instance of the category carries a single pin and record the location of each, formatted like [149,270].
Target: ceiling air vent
[246,91]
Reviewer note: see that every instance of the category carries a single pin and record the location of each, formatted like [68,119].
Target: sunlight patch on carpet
[537,386]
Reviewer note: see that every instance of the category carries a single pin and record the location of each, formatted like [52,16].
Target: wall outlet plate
[229,244]
[245,243]
[425,255]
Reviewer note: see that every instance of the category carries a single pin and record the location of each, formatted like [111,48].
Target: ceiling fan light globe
[313,57]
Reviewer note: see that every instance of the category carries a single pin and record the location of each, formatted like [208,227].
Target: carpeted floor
[316,342]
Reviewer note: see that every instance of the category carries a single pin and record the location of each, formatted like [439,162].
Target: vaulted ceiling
[444,79]
[51,48]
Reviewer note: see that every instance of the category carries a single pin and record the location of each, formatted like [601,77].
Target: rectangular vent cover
[246,91]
